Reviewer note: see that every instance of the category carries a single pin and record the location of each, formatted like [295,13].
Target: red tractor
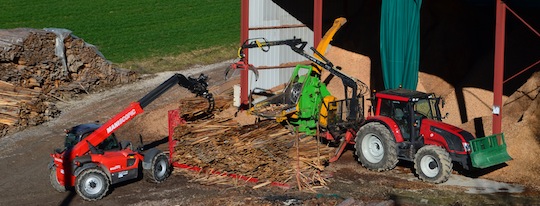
[93,159]
[406,125]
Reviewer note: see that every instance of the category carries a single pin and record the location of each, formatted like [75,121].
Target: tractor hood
[438,126]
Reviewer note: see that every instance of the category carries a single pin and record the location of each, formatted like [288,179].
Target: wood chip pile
[266,151]
[37,69]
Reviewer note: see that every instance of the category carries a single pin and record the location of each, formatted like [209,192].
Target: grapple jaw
[241,65]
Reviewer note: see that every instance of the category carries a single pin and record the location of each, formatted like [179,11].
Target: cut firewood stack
[24,106]
[267,151]
[40,67]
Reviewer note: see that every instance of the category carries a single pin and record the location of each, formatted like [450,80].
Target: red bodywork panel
[381,96]
[433,138]
[394,128]
[115,161]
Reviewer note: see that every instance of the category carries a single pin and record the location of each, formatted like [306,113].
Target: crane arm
[198,86]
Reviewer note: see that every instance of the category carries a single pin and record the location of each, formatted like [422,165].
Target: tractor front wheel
[160,170]
[433,164]
[375,147]
[54,180]
[92,184]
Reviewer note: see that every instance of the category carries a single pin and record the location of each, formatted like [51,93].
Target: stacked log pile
[24,106]
[40,67]
[266,151]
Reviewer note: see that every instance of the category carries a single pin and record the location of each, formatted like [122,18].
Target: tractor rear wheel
[92,184]
[160,170]
[54,180]
[375,147]
[433,164]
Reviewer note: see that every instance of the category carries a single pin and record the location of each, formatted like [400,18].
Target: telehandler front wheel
[160,170]
[92,184]
[433,164]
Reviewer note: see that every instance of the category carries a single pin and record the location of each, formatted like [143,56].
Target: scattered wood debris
[266,151]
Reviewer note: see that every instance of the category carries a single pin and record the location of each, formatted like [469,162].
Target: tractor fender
[78,170]
[83,159]
[390,124]
[148,156]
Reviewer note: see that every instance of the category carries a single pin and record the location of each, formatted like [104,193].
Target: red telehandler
[93,159]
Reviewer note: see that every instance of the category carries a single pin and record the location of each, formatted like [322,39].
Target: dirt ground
[24,157]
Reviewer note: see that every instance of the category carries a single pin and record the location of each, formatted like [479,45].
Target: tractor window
[399,112]
[71,140]
[386,108]
[427,108]
[394,109]
[109,144]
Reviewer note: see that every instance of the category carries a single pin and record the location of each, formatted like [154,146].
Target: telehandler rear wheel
[54,180]
[375,147]
[92,184]
[433,164]
[160,170]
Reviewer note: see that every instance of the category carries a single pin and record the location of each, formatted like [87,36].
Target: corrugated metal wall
[264,19]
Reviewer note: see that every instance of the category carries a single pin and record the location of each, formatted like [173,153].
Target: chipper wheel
[375,147]
[54,181]
[160,170]
[92,184]
[433,164]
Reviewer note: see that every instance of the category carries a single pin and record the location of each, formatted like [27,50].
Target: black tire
[375,147]
[54,181]
[92,184]
[160,170]
[433,164]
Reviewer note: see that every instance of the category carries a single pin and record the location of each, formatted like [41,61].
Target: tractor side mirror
[140,147]
[58,150]
[443,102]
[445,115]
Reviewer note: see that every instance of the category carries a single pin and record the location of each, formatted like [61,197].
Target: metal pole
[244,35]
[317,22]
[498,71]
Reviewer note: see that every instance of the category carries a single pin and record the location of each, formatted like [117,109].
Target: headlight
[467,146]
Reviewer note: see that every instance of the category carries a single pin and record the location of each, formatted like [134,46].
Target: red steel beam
[317,22]
[244,35]
[498,70]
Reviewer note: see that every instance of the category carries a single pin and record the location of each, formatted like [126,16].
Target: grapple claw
[255,71]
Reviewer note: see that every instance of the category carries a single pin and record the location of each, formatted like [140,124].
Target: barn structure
[465,43]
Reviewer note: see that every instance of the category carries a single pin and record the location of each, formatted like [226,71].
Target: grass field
[132,31]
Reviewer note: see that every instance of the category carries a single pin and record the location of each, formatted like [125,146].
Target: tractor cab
[407,108]
[80,132]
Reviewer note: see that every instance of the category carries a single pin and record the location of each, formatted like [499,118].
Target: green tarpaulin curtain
[400,43]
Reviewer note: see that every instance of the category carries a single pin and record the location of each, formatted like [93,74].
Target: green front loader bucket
[489,151]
